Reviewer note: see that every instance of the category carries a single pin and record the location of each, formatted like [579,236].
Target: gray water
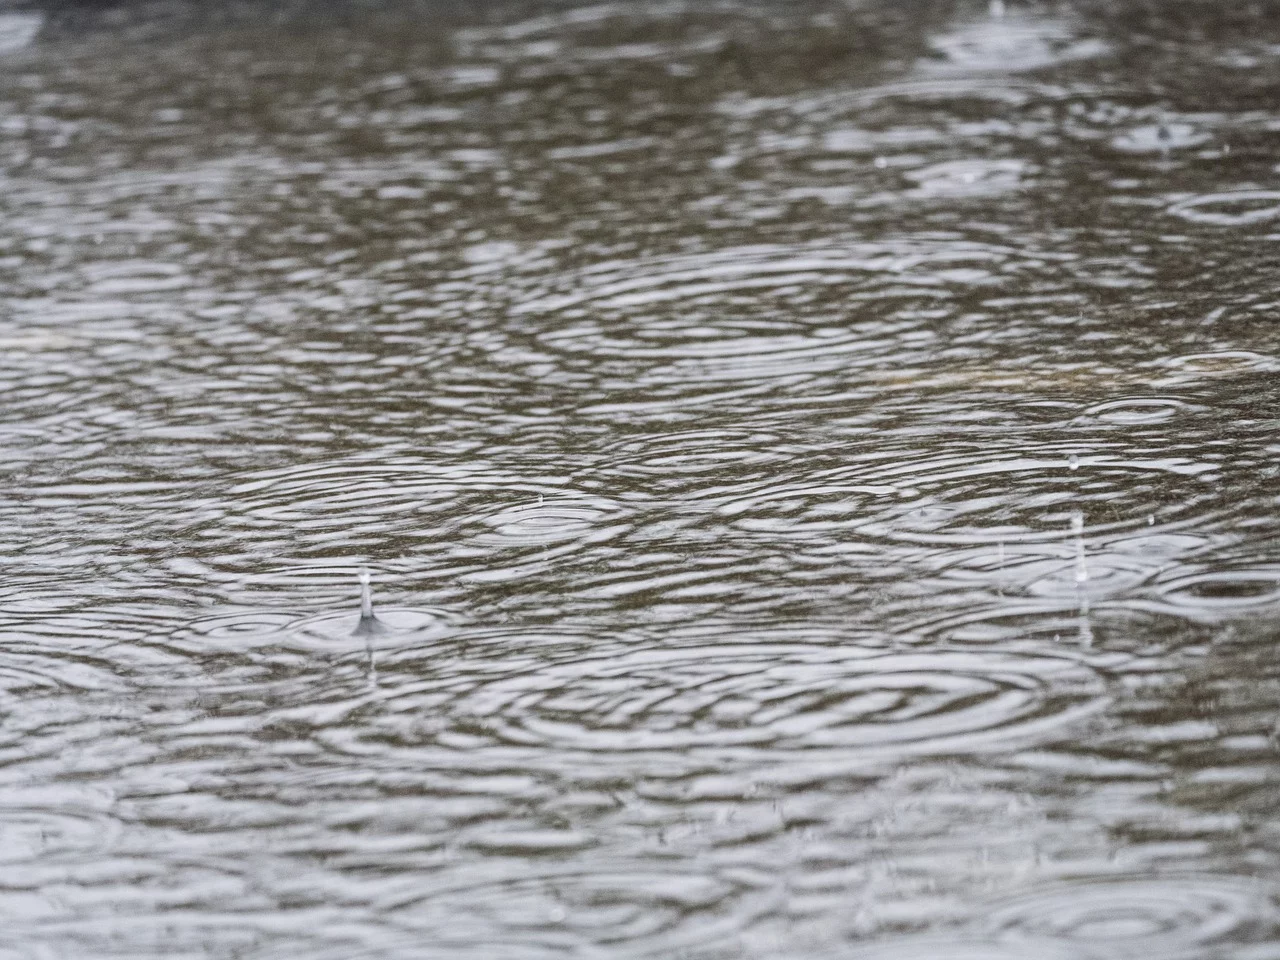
[817,464]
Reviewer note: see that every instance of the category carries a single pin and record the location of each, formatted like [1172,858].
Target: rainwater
[818,466]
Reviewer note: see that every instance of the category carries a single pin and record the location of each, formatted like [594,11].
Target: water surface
[817,462]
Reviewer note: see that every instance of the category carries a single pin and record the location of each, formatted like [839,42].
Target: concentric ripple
[1214,593]
[714,316]
[1159,138]
[746,269]
[26,671]
[625,904]
[341,497]
[1218,363]
[685,457]
[246,630]
[965,499]
[785,697]
[1162,915]
[937,948]
[1235,209]
[978,177]
[811,507]
[550,520]
[1134,411]
[40,826]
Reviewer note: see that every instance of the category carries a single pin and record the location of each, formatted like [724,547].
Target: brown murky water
[817,461]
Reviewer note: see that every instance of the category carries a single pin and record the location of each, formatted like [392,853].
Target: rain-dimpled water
[653,479]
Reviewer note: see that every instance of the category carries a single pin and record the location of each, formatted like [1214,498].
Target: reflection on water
[817,464]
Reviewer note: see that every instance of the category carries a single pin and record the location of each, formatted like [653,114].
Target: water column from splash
[1081,566]
[369,625]
[1082,579]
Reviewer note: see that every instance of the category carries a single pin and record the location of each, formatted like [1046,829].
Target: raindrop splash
[369,626]
[368,622]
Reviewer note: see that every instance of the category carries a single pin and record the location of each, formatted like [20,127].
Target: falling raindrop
[1082,580]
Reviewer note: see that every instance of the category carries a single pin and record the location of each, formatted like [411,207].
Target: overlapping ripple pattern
[817,464]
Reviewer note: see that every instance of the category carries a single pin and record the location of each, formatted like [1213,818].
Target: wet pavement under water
[817,463]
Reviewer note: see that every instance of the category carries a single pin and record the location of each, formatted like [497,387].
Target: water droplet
[1073,462]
